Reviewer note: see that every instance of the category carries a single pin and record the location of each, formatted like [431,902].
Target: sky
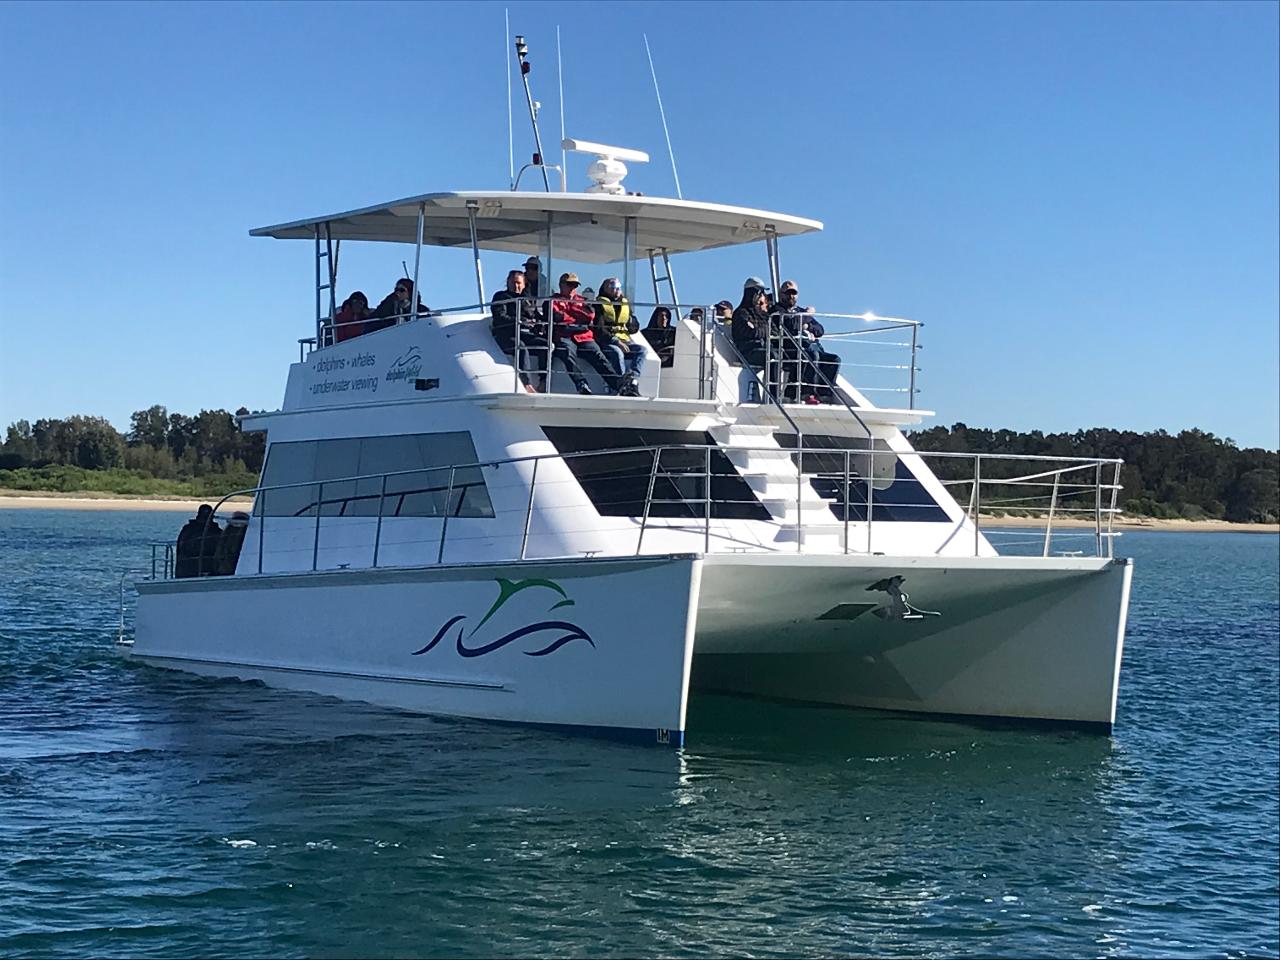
[1080,201]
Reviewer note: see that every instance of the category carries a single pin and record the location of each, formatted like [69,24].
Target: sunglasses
[402,289]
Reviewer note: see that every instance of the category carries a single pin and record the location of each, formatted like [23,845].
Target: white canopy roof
[587,227]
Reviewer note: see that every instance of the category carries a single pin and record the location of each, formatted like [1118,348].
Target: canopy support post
[628,257]
[417,259]
[472,207]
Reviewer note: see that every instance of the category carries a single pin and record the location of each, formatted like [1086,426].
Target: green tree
[149,427]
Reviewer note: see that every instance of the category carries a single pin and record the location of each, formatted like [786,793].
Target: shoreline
[87,500]
[44,500]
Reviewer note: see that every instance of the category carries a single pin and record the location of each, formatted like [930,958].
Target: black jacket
[512,310]
[197,548]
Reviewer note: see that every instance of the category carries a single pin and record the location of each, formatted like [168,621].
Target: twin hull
[615,643]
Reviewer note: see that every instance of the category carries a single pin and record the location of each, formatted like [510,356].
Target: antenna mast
[560,78]
[522,52]
[511,134]
[662,113]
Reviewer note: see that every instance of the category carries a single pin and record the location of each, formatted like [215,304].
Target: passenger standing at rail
[750,332]
[571,319]
[614,326]
[533,281]
[197,544]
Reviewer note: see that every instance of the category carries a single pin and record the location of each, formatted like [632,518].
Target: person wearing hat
[614,326]
[535,286]
[396,307]
[803,330]
[572,319]
[750,331]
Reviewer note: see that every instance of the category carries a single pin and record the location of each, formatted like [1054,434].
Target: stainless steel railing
[686,489]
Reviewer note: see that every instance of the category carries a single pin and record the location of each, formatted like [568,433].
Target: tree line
[162,452]
[1192,475]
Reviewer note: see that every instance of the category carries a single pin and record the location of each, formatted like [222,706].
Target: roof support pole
[472,207]
[417,259]
[319,326]
[548,273]
[628,257]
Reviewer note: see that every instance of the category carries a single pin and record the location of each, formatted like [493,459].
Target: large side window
[423,491]
[618,483]
[904,498]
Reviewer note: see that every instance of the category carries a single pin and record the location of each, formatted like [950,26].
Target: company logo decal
[407,366]
[565,632]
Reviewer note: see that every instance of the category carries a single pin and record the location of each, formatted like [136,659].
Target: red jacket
[568,314]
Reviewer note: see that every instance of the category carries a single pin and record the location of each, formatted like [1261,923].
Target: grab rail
[1063,487]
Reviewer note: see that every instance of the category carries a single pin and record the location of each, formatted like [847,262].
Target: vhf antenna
[522,52]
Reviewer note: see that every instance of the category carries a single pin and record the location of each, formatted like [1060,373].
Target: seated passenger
[572,319]
[820,367]
[750,332]
[533,282]
[519,329]
[197,544]
[348,322]
[614,326]
[396,307]
[661,335]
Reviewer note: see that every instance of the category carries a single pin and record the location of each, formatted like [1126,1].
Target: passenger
[396,307]
[750,332]
[724,312]
[229,544]
[698,316]
[197,544]
[519,330]
[661,335]
[820,367]
[348,322]
[571,319]
[614,326]
[533,279]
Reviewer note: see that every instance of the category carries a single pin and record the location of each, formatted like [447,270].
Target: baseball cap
[788,285]
[533,262]
[752,282]
[569,278]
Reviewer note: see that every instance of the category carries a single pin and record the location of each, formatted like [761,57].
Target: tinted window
[904,498]
[421,493]
[618,483]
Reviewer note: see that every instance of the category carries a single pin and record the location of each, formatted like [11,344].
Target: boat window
[903,497]
[421,493]
[618,484]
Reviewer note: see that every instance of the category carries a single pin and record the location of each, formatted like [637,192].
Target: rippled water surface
[151,813]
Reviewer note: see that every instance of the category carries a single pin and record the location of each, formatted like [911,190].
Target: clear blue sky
[1079,200]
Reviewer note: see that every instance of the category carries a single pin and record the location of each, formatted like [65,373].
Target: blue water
[150,813]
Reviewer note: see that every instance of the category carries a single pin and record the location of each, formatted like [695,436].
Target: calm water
[149,813]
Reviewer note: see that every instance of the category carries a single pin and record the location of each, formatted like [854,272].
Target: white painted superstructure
[430,534]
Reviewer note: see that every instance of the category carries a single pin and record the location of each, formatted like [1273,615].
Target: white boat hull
[614,644]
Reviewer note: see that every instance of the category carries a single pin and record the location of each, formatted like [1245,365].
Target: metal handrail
[1103,515]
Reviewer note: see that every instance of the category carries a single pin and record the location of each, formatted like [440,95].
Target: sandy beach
[19,500]
[22,500]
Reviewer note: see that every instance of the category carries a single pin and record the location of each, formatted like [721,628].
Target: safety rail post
[153,561]
[528,512]
[377,530]
[799,496]
[846,501]
[911,388]
[706,505]
[871,490]
[1111,516]
[977,500]
[261,498]
[648,498]
[1097,508]
[1053,503]
[315,542]
[444,527]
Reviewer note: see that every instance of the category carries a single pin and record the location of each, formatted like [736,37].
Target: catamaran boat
[433,533]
